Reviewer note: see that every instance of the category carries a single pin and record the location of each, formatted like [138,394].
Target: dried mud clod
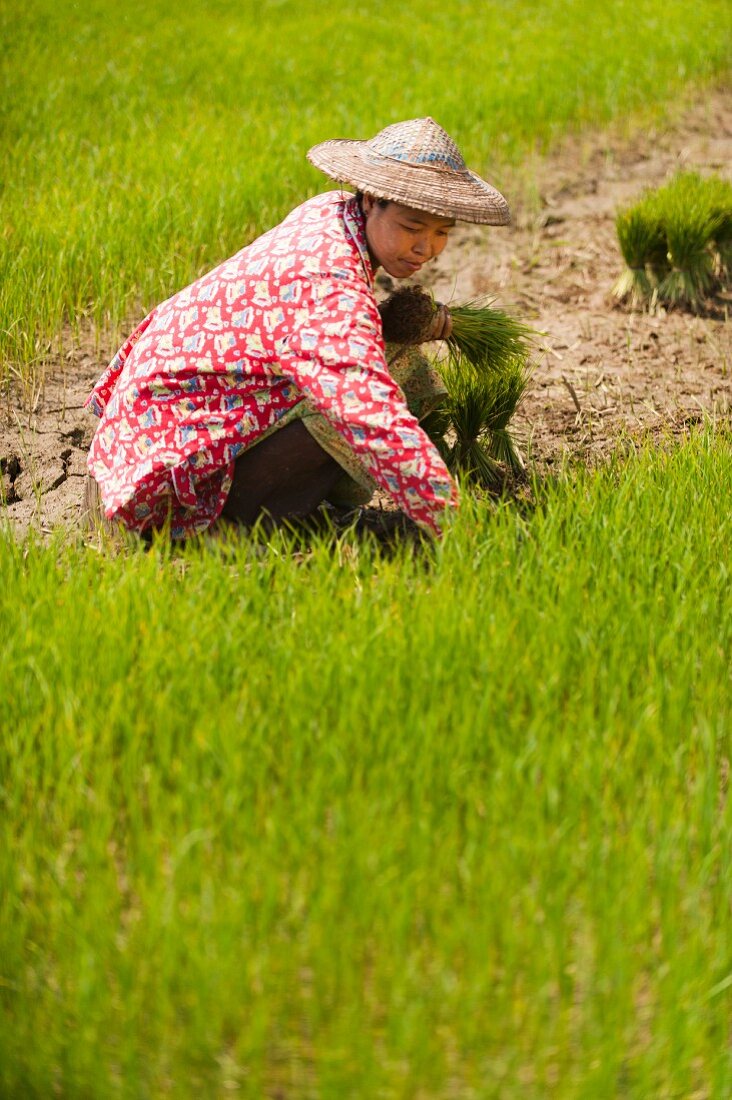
[10,471]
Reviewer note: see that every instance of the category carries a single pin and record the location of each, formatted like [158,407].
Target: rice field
[142,145]
[304,819]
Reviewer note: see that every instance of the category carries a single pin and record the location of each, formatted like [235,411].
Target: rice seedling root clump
[407,315]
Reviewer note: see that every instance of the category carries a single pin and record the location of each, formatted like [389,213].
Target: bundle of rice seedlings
[690,231]
[643,245]
[485,373]
[677,241]
[485,337]
[692,211]
[479,406]
[720,201]
[481,334]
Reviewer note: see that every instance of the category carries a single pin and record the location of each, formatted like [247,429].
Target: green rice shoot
[143,145]
[691,273]
[330,823]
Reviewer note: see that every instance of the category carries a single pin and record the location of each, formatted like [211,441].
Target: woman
[254,389]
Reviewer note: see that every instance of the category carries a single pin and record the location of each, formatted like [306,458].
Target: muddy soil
[601,372]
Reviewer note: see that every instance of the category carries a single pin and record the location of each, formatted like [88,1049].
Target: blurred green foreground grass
[328,823]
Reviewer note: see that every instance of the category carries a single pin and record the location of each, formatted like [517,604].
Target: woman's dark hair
[379,202]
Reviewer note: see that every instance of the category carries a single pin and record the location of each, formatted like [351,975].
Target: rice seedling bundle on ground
[485,373]
[677,242]
[643,244]
[690,216]
[719,195]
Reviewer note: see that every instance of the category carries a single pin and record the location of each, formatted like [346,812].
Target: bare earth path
[603,371]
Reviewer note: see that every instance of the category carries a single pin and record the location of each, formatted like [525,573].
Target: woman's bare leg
[286,475]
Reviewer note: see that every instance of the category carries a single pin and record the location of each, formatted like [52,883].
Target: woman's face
[401,239]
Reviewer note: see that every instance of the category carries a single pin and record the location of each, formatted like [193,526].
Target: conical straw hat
[415,163]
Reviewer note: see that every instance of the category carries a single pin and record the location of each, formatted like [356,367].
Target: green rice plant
[485,374]
[643,245]
[135,162]
[689,235]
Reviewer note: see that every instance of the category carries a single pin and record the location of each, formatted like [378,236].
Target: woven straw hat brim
[437,190]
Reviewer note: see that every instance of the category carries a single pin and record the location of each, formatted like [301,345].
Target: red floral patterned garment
[209,371]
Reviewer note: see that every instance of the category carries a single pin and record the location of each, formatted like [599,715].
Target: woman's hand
[441,326]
